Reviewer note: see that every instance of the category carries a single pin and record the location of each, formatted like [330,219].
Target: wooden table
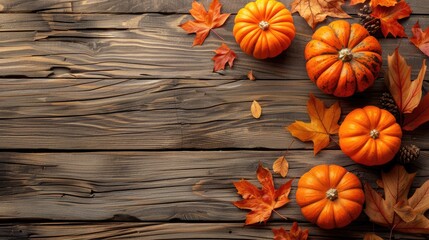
[113,127]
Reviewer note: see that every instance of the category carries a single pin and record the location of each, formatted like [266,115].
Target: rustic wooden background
[113,127]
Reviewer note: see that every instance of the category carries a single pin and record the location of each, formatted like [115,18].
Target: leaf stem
[213,31]
[333,140]
[285,218]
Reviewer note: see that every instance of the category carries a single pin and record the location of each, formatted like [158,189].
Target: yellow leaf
[256,109]
[324,122]
[281,166]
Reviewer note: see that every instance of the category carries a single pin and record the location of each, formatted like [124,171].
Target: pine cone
[387,102]
[408,153]
[369,22]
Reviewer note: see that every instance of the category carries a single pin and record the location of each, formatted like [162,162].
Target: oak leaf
[256,109]
[372,236]
[295,233]
[420,38]
[281,166]
[262,202]
[223,56]
[396,210]
[406,93]
[389,17]
[419,116]
[204,21]
[324,122]
[374,3]
[315,11]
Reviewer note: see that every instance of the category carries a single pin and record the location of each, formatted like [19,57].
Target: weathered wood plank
[159,230]
[138,6]
[161,114]
[152,186]
[145,46]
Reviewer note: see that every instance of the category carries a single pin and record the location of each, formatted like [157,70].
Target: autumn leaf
[419,116]
[261,202]
[295,233]
[324,122]
[372,236]
[389,17]
[250,75]
[256,109]
[281,166]
[374,3]
[406,94]
[420,38]
[204,21]
[223,56]
[315,11]
[396,210]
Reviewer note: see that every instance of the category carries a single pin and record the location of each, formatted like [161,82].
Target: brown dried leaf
[372,236]
[256,109]
[281,166]
[396,210]
[315,11]
[250,75]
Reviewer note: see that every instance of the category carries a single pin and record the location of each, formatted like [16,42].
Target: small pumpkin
[330,196]
[343,59]
[370,136]
[264,28]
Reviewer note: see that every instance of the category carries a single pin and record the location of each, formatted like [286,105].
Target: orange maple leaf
[389,17]
[315,11]
[420,38]
[419,115]
[295,233]
[374,3]
[396,210]
[223,55]
[204,20]
[261,202]
[406,93]
[324,122]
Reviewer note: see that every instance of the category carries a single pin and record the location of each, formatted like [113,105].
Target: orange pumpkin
[264,28]
[343,59]
[330,196]
[370,136]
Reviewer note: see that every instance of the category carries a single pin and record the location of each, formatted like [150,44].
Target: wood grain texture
[139,6]
[153,186]
[147,46]
[162,114]
[162,231]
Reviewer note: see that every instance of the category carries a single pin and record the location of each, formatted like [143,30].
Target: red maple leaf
[295,233]
[204,20]
[420,38]
[263,201]
[389,17]
[223,55]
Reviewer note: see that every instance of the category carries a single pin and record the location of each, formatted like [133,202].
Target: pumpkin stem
[264,25]
[345,55]
[374,133]
[332,194]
